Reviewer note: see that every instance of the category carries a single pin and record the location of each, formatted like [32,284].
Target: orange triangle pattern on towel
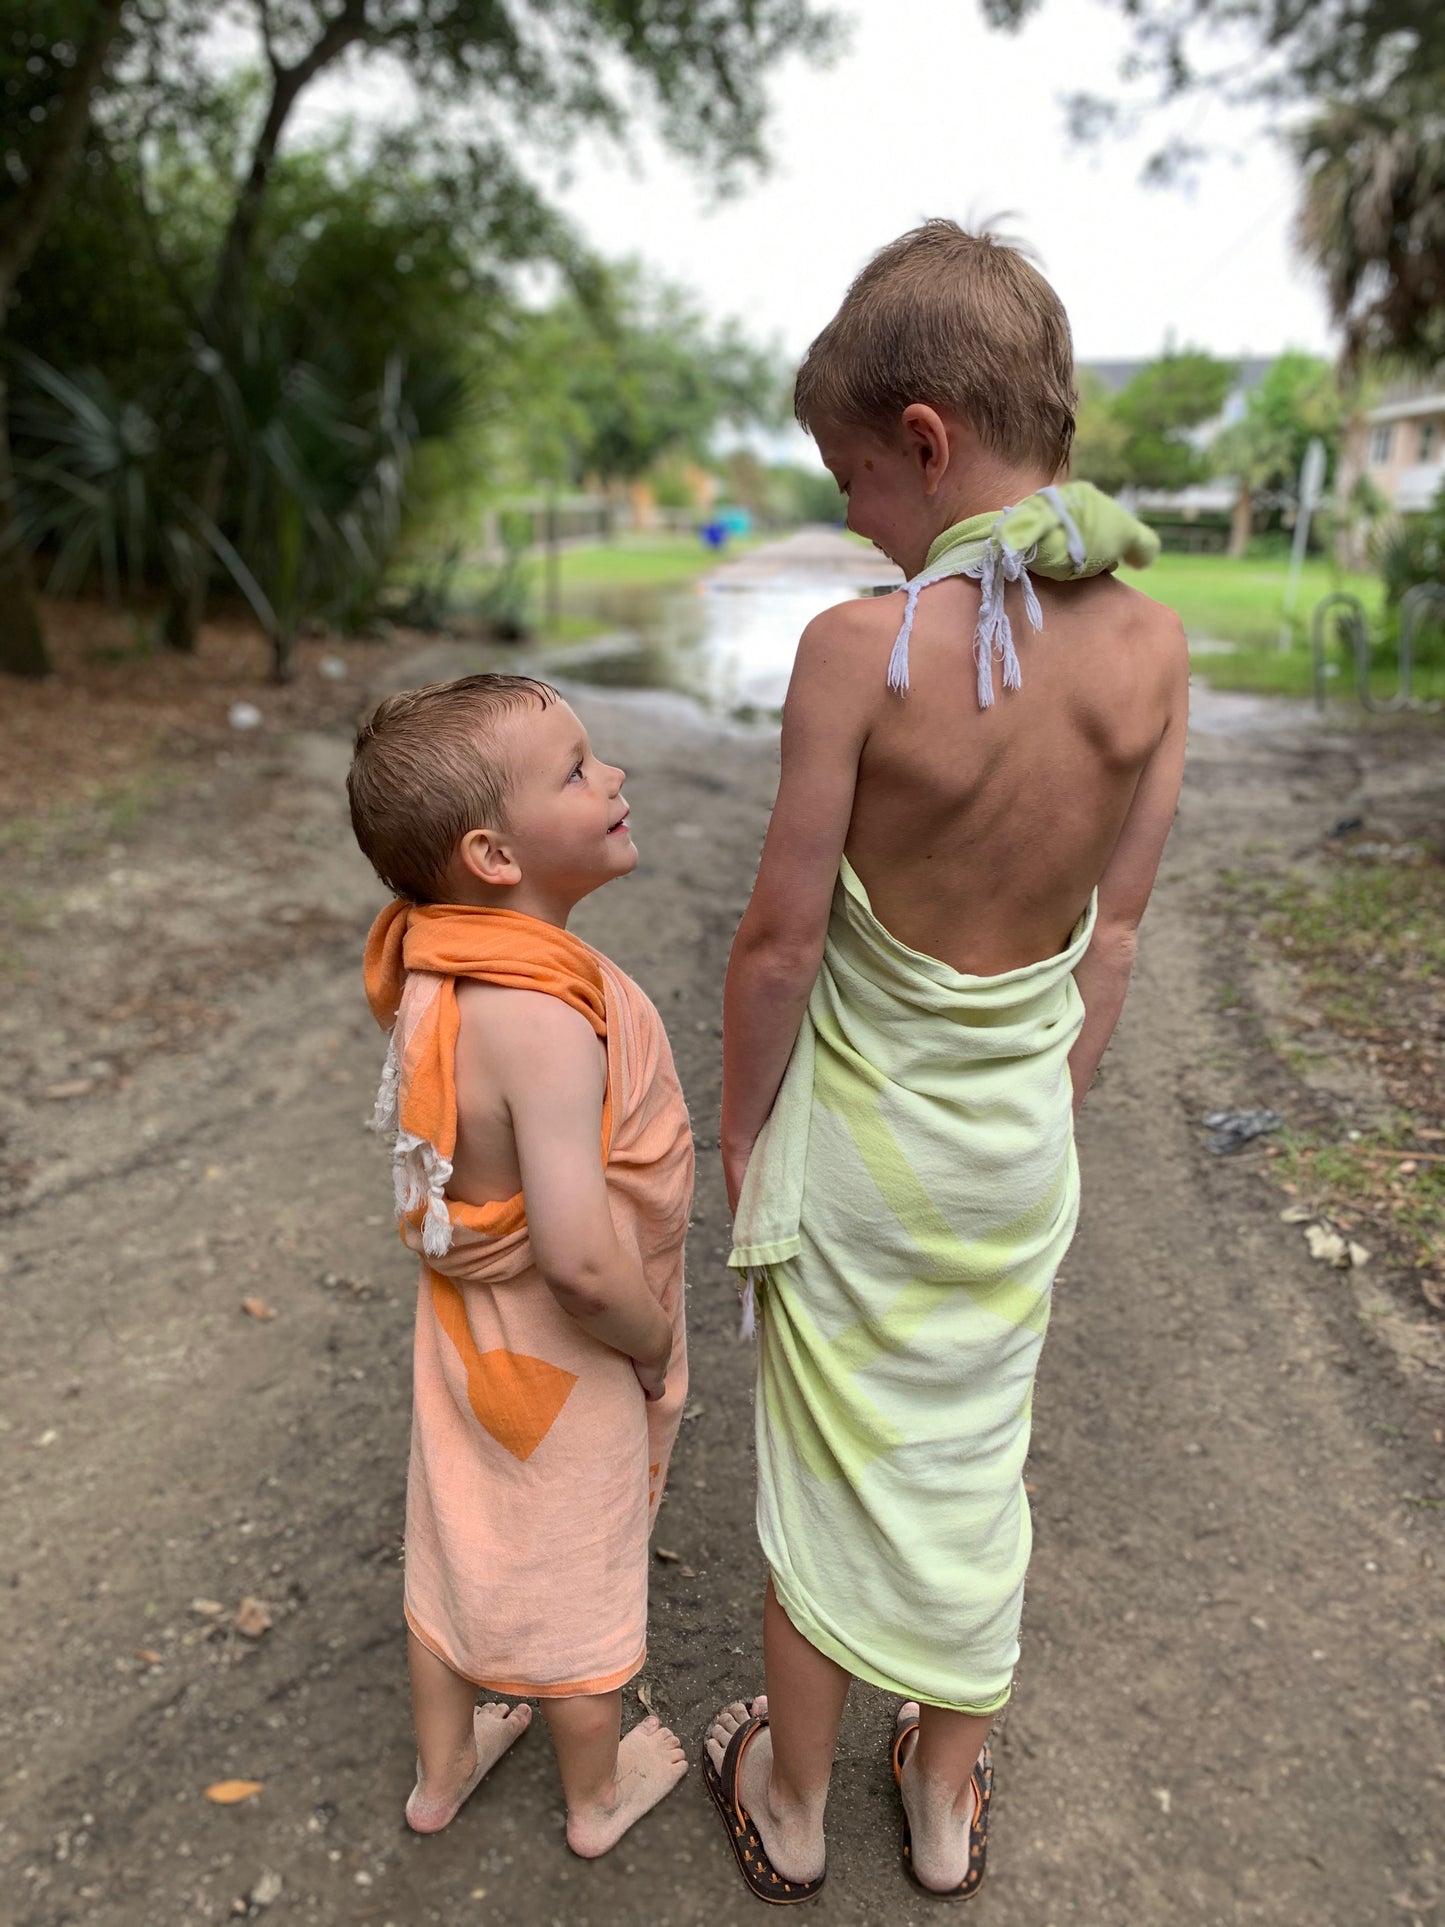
[513,1397]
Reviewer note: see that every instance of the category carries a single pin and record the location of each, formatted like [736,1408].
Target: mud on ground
[1229,1708]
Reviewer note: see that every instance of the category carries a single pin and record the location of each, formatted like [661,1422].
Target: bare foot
[792,1836]
[494,1728]
[939,1819]
[650,1762]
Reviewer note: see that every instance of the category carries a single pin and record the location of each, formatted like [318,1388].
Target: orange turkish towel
[536,1463]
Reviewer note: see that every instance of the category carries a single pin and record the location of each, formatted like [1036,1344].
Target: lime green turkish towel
[1063,533]
[904,1212]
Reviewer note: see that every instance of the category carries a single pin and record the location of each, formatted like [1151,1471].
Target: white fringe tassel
[749,1326]
[993,639]
[419,1172]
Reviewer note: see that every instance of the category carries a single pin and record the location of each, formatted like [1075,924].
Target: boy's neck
[525,902]
[983,489]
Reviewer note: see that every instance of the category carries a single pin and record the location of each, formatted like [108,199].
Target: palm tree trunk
[1242,526]
[22,641]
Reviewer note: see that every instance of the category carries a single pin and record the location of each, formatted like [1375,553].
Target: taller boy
[977,784]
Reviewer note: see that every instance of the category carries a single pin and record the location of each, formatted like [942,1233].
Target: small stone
[1295,1214]
[244,716]
[252,1618]
[267,1889]
[1327,1247]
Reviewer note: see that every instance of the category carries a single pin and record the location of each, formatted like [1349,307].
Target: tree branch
[23,220]
[345,30]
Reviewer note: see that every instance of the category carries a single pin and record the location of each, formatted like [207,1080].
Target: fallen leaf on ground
[1295,1214]
[667,1557]
[207,1607]
[148,1654]
[252,1618]
[687,1572]
[72,1087]
[258,1308]
[230,1793]
[644,1694]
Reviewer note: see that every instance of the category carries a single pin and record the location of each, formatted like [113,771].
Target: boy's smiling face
[566,830]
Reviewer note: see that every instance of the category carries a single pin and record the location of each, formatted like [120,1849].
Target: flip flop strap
[903,1733]
[733,1760]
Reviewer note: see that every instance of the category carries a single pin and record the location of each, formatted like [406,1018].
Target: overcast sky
[927,113]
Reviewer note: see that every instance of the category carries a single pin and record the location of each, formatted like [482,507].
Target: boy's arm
[779,943]
[1104,970]
[553,1076]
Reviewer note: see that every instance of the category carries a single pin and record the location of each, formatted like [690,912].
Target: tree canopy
[1182,390]
[1373,217]
[1275,50]
[254,251]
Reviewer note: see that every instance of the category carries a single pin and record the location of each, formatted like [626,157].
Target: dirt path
[1230,1705]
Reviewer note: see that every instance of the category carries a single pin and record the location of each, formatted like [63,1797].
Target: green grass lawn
[1241,602]
[654,559]
[592,573]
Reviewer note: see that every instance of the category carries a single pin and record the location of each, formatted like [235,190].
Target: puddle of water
[729,645]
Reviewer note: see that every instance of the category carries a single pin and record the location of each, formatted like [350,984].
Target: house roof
[1429,403]
[1118,374]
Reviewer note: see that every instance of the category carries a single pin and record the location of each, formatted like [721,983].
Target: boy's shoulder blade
[514,1022]
[851,635]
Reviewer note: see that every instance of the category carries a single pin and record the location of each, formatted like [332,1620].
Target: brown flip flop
[746,1842]
[978,1830]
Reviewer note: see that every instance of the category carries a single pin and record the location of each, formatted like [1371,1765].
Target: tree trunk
[22,641]
[1242,526]
[186,604]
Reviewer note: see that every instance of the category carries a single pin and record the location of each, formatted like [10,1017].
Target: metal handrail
[1356,626]
[1359,631]
[1412,604]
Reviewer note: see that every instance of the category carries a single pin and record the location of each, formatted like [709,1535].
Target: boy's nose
[616,777]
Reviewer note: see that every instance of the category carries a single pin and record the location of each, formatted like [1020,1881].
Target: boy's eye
[576,771]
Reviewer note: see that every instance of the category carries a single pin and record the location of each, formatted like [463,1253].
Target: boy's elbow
[579,1283]
[780,955]
[1116,944]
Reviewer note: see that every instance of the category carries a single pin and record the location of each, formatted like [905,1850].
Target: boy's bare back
[980,834]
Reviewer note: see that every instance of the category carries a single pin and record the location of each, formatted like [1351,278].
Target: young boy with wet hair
[978,776]
[543,1163]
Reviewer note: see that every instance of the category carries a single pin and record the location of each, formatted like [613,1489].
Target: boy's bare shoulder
[527,1030]
[850,635]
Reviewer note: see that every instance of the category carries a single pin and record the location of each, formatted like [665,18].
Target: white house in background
[1400,445]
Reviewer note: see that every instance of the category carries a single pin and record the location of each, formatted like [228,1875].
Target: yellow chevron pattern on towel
[907,1207]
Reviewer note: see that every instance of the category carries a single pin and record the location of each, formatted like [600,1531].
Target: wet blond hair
[426,768]
[956,320]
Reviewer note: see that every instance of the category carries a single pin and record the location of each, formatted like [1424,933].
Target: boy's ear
[487,857]
[929,444]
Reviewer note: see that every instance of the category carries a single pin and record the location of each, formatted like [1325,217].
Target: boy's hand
[651,1375]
